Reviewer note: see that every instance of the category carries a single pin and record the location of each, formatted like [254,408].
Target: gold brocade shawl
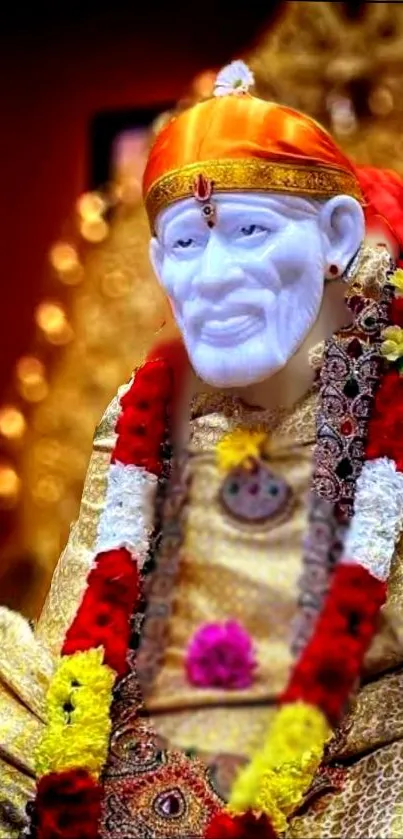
[231,569]
[371,739]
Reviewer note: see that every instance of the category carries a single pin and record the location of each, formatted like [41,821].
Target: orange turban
[244,143]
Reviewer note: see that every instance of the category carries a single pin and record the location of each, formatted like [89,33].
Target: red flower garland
[246,826]
[383,192]
[103,619]
[331,662]
[147,408]
[141,426]
[68,806]
[396,311]
[386,425]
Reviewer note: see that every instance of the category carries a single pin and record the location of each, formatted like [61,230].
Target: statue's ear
[342,224]
[156,255]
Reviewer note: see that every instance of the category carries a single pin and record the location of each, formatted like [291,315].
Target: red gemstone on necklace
[354,348]
[347,427]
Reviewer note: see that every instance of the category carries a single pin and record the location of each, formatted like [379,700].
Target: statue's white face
[246,293]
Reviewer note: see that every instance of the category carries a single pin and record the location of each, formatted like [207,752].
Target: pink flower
[221,655]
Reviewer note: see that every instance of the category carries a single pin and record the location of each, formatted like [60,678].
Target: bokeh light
[203,84]
[61,337]
[31,379]
[51,319]
[30,369]
[106,375]
[12,422]
[10,485]
[65,261]
[63,257]
[94,230]
[381,101]
[116,284]
[91,205]
[128,191]
[47,453]
[48,490]
[342,115]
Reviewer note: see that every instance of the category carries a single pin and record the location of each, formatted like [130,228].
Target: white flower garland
[127,518]
[378,518]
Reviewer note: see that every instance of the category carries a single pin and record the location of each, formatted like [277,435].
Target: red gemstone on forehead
[202,188]
[334,269]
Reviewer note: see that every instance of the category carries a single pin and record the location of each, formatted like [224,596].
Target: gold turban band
[244,143]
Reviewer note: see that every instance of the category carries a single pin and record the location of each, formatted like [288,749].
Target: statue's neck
[288,385]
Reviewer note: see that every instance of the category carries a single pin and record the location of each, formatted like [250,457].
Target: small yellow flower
[397,281]
[240,446]
[392,347]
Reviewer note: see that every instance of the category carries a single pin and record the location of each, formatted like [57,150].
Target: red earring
[332,272]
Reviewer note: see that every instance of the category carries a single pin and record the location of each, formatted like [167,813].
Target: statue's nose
[218,279]
[215,257]
[217,269]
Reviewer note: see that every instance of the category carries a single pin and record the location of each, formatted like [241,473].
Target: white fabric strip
[378,518]
[128,516]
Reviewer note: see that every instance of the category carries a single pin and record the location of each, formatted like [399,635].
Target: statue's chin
[232,377]
[245,363]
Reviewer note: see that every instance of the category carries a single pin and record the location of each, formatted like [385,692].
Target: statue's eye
[184,243]
[252,229]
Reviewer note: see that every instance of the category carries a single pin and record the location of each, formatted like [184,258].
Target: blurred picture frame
[118,144]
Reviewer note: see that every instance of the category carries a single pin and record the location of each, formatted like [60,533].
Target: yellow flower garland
[78,704]
[277,778]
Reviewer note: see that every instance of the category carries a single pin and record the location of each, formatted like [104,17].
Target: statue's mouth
[231,329]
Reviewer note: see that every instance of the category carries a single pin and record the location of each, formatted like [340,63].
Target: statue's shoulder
[105,430]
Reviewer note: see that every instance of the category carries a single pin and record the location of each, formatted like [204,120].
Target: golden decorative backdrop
[115,310]
[347,73]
